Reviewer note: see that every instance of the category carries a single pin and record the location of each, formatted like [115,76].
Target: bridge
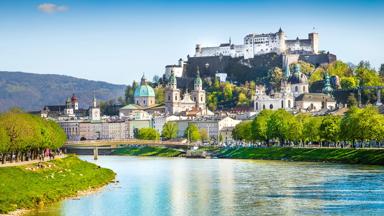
[97,147]
[124,142]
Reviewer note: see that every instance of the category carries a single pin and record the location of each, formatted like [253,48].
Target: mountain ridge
[31,91]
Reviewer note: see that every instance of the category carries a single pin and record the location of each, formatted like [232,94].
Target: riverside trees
[356,126]
[23,136]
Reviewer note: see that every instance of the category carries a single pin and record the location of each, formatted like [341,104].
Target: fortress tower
[282,46]
[314,38]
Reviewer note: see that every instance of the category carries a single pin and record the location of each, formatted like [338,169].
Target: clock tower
[94,111]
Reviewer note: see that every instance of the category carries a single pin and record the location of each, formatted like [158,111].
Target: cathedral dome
[144,90]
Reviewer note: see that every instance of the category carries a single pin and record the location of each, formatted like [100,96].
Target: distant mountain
[32,91]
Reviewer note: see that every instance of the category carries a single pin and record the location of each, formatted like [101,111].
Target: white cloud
[51,8]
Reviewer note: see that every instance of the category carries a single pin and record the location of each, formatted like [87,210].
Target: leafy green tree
[340,69]
[381,71]
[275,77]
[228,93]
[204,135]
[330,128]
[317,75]
[311,129]
[160,95]
[170,130]
[4,143]
[243,131]
[148,134]
[279,125]
[129,93]
[192,133]
[349,83]
[242,99]
[260,127]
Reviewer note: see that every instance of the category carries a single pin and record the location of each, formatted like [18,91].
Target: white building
[257,44]
[177,69]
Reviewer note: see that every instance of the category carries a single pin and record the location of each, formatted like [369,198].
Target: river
[179,186]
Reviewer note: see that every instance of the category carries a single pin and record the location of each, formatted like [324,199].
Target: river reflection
[178,186]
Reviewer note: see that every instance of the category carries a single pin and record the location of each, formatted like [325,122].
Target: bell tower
[172,95]
[198,94]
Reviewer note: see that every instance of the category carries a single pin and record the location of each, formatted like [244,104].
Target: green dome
[144,91]
[198,80]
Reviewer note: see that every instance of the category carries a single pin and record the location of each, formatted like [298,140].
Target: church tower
[94,111]
[198,94]
[68,107]
[172,95]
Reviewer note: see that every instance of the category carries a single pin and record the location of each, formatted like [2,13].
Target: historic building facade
[196,100]
[257,44]
[294,94]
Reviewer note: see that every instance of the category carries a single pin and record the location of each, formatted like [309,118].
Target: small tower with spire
[94,110]
[198,94]
[68,111]
[327,88]
[172,95]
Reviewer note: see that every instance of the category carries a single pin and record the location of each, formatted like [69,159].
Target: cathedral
[190,102]
[294,94]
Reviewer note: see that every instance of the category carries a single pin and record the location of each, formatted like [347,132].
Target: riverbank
[149,151]
[35,185]
[348,156]
[334,155]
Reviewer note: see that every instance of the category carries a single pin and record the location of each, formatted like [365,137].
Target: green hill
[32,91]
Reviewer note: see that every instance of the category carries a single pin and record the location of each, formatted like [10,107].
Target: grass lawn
[30,186]
[148,151]
[352,156]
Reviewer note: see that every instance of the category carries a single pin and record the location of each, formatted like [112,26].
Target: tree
[351,100]
[330,128]
[192,133]
[170,130]
[227,89]
[279,124]
[243,131]
[259,126]
[204,135]
[148,134]
[4,143]
[129,93]
[160,95]
[349,83]
[381,71]
[242,99]
[311,129]
[275,77]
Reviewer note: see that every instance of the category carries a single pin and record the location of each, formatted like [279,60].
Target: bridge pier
[378,102]
[95,153]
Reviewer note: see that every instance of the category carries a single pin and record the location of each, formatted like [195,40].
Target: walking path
[29,162]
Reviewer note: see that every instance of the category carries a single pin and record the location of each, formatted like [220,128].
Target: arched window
[137,102]
[201,99]
[144,101]
[270,106]
[257,105]
[169,98]
[311,106]
[296,88]
[303,88]
[282,104]
[263,106]
[289,103]
[176,97]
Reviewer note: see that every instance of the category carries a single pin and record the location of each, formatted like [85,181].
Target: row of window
[271,105]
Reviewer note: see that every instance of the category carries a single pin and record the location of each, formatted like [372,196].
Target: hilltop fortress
[248,61]
[258,44]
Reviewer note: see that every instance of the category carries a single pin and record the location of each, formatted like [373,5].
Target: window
[263,106]
[144,101]
[289,103]
[137,102]
[169,97]
[270,106]
[201,99]
[257,105]
[303,88]
[282,104]
[296,88]
[175,97]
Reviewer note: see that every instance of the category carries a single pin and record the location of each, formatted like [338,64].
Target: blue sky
[116,41]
